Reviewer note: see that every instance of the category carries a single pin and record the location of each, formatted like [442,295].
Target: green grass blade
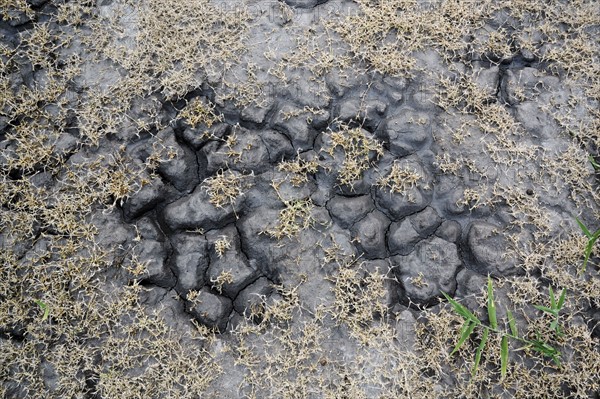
[561,300]
[583,228]
[552,299]
[594,163]
[588,251]
[528,346]
[546,309]
[44,309]
[461,310]
[546,350]
[504,356]
[465,332]
[484,339]
[491,305]
[512,324]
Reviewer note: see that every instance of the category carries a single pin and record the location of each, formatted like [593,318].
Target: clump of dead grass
[197,112]
[357,149]
[299,169]
[400,179]
[225,187]
[293,218]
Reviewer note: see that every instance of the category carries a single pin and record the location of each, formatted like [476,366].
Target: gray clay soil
[282,221]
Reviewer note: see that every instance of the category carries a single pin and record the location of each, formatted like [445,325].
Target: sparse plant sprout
[471,322]
[45,309]
[592,238]
[357,150]
[554,310]
[222,245]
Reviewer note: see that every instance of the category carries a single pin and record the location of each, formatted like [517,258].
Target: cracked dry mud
[267,199]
